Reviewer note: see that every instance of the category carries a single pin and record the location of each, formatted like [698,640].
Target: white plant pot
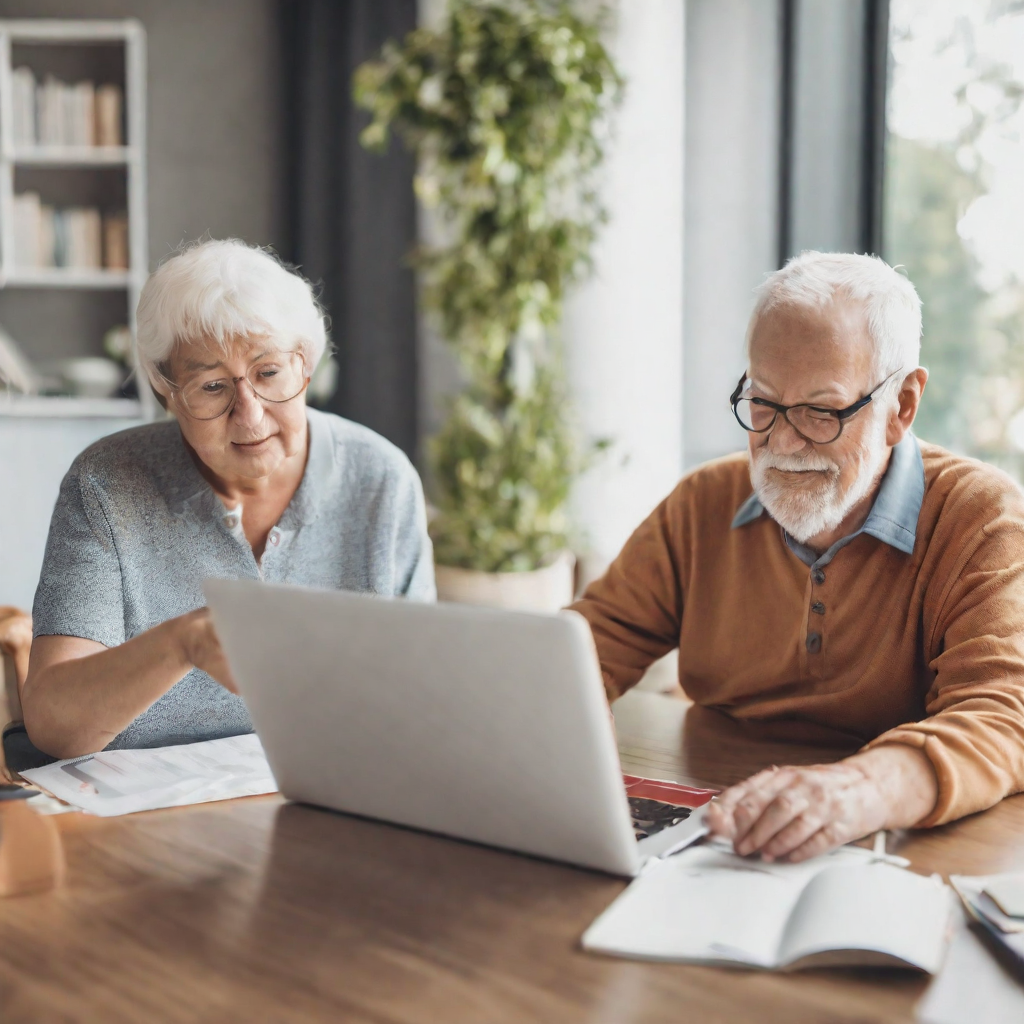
[540,590]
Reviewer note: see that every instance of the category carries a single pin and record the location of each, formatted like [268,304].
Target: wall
[733,58]
[215,165]
[624,327]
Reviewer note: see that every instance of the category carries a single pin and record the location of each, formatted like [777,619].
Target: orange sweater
[925,649]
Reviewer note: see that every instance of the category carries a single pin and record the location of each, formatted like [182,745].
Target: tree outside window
[954,213]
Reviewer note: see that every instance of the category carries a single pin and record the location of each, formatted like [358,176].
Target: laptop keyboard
[652,816]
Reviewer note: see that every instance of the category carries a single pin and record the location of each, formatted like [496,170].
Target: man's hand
[202,648]
[796,813]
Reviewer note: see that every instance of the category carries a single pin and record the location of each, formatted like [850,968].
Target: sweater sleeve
[974,732]
[635,610]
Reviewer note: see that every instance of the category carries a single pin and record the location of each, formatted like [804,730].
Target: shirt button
[818,608]
[231,522]
[813,642]
[275,538]
[818,575]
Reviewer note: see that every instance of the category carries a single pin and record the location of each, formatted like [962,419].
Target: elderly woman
[244,482]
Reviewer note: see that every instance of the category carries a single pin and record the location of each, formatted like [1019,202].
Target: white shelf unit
[130,157]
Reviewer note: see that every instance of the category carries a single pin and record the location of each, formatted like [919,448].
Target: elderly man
[839,573]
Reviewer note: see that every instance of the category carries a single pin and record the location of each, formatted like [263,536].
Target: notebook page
[703,905]
[870,907]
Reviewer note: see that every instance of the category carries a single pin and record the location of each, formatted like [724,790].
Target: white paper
[874,908]
[707,904]
[125,781]
[972,987]
[974,887]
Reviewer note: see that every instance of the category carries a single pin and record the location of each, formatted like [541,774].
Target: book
[115,241]
[55,113]
[847,908]
[23,102]
[72,237]
[109,106]
[82,238]
[26,215]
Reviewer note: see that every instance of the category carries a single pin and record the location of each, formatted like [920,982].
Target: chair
[15,643]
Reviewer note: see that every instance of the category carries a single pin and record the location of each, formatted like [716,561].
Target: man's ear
[902,416]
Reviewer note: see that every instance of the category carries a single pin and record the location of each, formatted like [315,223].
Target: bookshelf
[93,50]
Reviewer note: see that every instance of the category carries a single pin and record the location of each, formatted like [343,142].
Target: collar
[189,490]
[893,516]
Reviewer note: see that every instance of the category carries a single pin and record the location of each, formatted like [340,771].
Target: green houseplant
[505,107]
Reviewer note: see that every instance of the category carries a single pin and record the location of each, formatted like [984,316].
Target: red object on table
[667,792]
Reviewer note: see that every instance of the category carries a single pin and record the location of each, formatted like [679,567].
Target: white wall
[34,456]
[732,185]
[624,328]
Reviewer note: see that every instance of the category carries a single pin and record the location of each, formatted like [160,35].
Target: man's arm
[966,755]
[635,610]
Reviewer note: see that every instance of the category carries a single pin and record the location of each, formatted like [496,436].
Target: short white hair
[814,280]
[216,290]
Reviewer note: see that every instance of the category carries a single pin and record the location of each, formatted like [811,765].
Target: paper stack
[125,781]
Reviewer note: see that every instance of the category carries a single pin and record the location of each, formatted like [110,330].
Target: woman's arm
[79,694]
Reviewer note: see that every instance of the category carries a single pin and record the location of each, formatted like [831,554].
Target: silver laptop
[476,723]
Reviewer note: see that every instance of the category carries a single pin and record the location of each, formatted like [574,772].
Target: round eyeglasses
[278,377]
[815,423]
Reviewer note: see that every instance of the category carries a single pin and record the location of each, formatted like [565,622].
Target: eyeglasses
[815,423]
[278,378]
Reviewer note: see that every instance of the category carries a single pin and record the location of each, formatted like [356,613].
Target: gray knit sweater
[137,529]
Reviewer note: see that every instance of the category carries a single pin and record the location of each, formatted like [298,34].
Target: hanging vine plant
[506,107]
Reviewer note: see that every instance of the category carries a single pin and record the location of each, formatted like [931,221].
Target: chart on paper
[124,781]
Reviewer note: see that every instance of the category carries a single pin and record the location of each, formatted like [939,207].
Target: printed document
[124,781]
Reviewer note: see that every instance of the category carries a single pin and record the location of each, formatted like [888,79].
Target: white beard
[807,512]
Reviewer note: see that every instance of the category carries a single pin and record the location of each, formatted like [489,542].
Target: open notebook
[707,905]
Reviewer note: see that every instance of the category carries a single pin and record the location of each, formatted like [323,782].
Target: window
[954,213]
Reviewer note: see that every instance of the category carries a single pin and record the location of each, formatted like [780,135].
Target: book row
[55,113]
[80,238]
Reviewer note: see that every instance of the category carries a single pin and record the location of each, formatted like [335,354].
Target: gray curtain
[351,214]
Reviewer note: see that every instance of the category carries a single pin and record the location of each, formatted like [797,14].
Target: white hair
[813,280]
[216,290]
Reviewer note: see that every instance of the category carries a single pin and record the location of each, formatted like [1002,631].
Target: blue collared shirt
[893,516]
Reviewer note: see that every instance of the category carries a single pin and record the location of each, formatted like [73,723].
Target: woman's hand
[201,648]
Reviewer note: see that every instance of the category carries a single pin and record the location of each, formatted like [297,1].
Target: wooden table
[255,910]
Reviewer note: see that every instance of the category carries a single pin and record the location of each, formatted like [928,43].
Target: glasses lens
[278,379]
[753,416]
[821,425]
[208,399]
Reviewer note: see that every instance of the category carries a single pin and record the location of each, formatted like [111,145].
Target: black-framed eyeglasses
[278,377]
[815,423]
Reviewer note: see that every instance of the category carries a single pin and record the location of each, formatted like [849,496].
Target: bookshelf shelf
[32,169]
[74,156]
[62,407]
[61,277]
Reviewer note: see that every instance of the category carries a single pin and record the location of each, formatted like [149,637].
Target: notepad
[708,905]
